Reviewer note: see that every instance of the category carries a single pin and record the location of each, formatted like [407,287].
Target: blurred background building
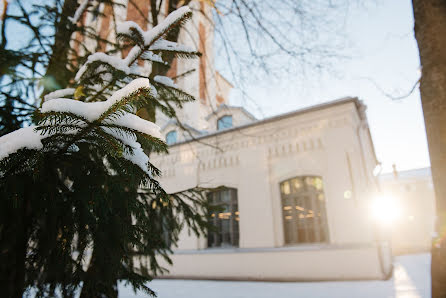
[413,193]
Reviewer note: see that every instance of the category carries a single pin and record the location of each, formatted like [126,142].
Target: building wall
[239,116]
[255,158]
[311,263]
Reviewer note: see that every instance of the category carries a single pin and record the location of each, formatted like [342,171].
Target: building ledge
[300,247]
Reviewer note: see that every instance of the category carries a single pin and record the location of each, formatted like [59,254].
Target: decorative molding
[300,146]
[219,162]
[280,140]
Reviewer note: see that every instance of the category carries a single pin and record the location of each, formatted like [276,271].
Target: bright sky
[383,52]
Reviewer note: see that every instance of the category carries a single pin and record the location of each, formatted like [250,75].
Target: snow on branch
[115,62]
[165,81]
[31,139]
[59,94]
[113,116]
[152,35]
[147,42]
[23,138]
[165,45]
[92,111]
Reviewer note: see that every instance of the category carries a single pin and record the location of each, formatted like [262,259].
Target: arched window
[224,122]
[171,137]
[303,209]
[225,220]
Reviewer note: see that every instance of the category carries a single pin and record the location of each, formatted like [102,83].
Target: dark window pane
[226,220]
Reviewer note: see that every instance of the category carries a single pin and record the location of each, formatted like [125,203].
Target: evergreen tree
[80,203]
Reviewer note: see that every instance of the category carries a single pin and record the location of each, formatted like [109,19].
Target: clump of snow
[132,55]
[165,81]
[93,110]
[166,45]
[59,94]
[138,157]
[127,27]
[134,122]
[156,32]
[153,57]
[89,111]
[116,62]
[151,35]
[22,138]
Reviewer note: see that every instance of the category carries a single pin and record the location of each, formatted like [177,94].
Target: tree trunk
[148,113]
[430,33]
[57,75]
[100,280]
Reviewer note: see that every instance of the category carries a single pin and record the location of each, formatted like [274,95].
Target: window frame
[216,238]
[301,229]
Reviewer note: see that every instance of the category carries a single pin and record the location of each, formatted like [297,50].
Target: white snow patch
[22,138]
[151,35]
[166,45]
[134,122]
[138,157]
[165,81]
[415,283]
[153,57]
[93,110]
[116,62]
[125,28]
[59,93]
[132,55]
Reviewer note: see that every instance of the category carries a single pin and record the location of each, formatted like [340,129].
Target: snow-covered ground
[411,279]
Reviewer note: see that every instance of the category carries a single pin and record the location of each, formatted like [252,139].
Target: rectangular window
[303,209]
[225,220]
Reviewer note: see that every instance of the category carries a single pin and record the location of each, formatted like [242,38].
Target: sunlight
[385,210]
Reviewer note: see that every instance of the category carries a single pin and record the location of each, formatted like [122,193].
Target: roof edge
[310,109]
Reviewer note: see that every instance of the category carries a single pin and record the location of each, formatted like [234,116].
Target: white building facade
[296,203]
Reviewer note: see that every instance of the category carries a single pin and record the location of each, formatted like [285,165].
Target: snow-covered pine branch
[110,116]
[148,38]
[147,45]
[110,124]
